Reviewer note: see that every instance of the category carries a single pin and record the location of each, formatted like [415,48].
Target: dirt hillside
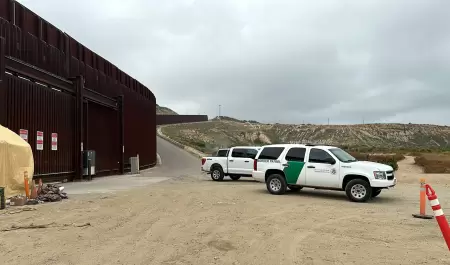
[209,136]
[160,110]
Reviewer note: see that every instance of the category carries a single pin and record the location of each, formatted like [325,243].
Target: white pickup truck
[235,162]
[295,166]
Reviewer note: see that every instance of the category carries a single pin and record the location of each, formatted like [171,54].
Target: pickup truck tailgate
[206,163]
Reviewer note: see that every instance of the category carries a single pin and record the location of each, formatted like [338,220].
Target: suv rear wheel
[276,184]
[358,190]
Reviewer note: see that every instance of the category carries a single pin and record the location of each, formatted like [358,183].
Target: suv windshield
[342,155]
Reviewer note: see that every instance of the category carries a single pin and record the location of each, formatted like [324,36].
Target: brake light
[203,161]
[255,164]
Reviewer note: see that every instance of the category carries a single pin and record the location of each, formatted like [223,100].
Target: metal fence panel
[103,134]
[35,107]
[39,108]
[173,119]
[5,9]
[3,106]
[140,137]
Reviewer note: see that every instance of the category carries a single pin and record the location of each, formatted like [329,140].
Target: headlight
[379,174]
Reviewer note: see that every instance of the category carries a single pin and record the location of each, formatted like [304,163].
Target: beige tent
[16,157]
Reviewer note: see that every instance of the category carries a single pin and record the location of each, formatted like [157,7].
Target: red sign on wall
[54,141]
[23,134]
[39,140]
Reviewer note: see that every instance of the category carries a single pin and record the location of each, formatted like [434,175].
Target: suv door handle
[231,160]
[285,165]
[246,161]
[311,167]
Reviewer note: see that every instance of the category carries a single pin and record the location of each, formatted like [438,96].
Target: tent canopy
[16,157]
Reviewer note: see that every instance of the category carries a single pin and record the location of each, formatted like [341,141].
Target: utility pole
[219,111]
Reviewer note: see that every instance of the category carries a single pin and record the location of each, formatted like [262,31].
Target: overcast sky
[275,60]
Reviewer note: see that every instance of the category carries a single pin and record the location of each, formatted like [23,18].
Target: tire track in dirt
[299,237]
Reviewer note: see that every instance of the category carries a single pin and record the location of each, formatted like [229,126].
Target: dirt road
[193,220]
[197,221]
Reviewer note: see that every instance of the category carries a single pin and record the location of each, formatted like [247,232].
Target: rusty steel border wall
[53,84]
[175,119]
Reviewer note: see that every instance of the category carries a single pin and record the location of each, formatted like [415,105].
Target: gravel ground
[194,220]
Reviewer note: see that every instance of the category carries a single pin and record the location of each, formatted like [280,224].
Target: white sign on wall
[39,140]
[54,141]
[23,134]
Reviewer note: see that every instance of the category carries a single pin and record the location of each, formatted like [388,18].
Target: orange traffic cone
[26,184]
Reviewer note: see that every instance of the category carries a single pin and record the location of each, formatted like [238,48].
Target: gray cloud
[275,61]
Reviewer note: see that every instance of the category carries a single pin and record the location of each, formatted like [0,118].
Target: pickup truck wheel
[375,192]
[294,188]
[217,174]
[235,177]
[276,184]
[358,190]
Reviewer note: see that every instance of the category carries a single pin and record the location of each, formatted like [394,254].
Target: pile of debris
[51,193]
[33,195]
[43,193]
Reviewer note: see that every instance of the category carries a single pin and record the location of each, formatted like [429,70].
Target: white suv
[295,166]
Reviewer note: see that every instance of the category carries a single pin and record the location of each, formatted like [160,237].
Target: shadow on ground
[333,195]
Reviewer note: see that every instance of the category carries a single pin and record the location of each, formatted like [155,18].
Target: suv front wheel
[358,190]
[276,184]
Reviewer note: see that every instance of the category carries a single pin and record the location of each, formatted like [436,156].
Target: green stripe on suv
[292,172]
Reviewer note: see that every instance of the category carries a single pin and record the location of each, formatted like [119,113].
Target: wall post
[120,101]
[79,145]
[3,107]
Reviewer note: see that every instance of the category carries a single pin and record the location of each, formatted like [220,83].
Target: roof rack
[310,144]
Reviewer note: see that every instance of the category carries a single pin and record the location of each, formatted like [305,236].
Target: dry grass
[434,163]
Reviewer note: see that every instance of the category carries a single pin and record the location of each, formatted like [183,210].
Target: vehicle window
[271,153]
[296,154]
[342,155]
[319,156]
[237,152]
[222,153]
[251,153]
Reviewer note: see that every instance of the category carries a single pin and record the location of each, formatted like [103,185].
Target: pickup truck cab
[295,166]
[235,162]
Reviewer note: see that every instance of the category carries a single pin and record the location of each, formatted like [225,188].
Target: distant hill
[226,118]
[208,136]
[164,111]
